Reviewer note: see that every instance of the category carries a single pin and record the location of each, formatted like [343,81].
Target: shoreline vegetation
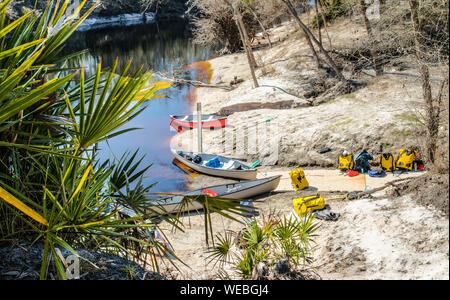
[400,231]
[55,193]
[108,13]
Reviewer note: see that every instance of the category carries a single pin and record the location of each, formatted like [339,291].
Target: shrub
[215,23]
[273,248]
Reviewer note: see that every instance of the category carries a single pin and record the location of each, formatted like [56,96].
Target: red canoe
[190,121]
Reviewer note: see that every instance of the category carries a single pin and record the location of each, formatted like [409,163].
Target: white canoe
[238,190]
[229,168]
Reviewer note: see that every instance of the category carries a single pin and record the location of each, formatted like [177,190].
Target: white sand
[385,239]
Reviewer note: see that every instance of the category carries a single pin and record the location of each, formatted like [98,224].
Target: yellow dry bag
[406,159]
[387,162]
[307,204]
[298,179]
[345,162]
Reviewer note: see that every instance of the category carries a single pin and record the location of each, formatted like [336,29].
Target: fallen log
[195,83]
[358,195]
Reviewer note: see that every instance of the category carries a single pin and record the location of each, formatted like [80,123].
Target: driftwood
[359,195]
[391,183]
[240,107]
[195,83]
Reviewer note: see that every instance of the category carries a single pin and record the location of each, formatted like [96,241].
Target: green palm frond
[53,189]
[228,208]
[221,253]
[11,107]
[125,172]
[245,264]
[100,114]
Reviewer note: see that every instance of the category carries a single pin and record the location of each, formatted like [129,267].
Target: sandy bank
[374,238]
[380,116]
[380,237]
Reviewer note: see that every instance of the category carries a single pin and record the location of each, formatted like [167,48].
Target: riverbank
[109,13]
[392,234]
[381,115]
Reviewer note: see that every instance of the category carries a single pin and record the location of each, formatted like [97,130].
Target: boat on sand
[190,121]
[215,165]
[237,190]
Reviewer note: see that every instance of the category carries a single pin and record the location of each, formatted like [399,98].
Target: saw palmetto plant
[265,241]
[53,189]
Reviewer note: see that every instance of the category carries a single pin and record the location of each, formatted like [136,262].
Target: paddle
[271,119]
[255,164]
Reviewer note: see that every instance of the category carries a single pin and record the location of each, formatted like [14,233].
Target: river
[161,47]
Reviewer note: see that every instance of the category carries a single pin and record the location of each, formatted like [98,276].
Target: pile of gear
[352,165]
[407,160]
[194,157]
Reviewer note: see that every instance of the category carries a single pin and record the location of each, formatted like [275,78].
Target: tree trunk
[157,8]
[325,22]
[245,36]
[262,27]
[307,37]
[373,53]
[243,33]
[316,5]
[311,46]
[433,112]
[309,34]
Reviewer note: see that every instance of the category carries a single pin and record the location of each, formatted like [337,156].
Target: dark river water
[161,47]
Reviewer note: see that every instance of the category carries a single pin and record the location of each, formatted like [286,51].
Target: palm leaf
[22,207]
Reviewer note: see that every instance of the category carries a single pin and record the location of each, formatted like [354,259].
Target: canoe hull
[260,189]
[236,174]
[239,190]
[213,124]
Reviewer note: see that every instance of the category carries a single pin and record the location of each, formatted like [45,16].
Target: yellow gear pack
[387,162]
[307,204]
[345,162]
[298,179]
[406,159]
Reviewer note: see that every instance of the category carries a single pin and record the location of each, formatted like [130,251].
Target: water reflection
[162,47]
